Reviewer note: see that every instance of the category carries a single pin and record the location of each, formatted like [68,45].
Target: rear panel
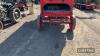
[68,3]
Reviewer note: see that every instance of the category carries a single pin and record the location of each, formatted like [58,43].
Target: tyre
[72,23]
[39,23]
[1,26]
[16,14]
[24,15]
[70,34]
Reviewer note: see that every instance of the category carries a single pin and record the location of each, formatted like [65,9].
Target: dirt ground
[23,38]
